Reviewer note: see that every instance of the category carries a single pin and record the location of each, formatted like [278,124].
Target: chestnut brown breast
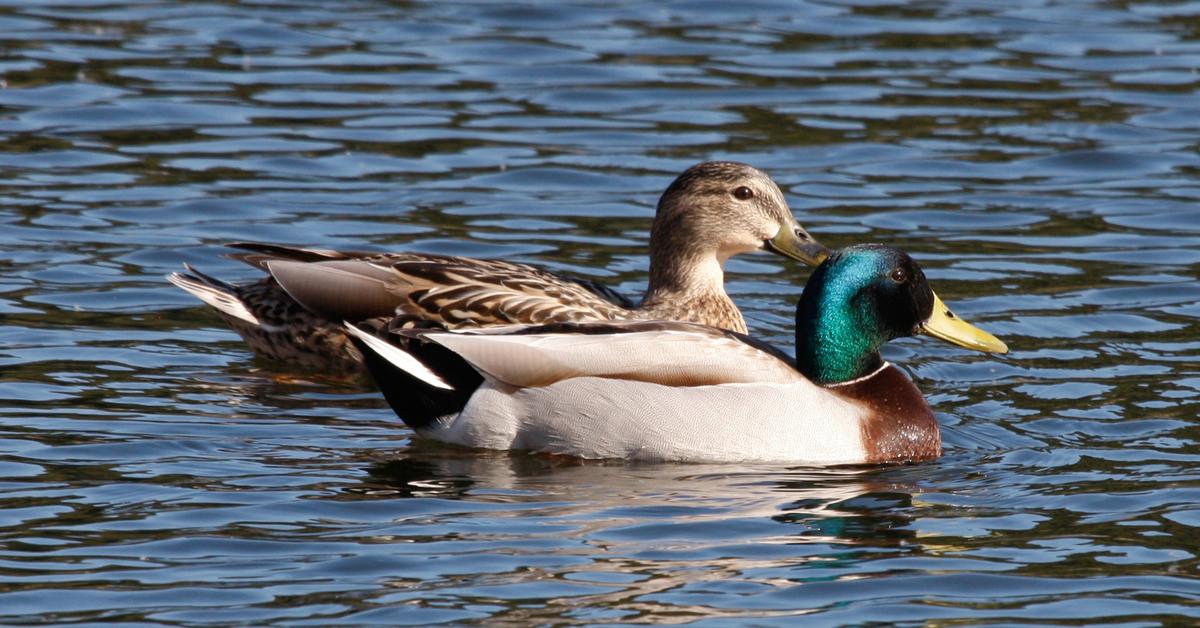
[900,426]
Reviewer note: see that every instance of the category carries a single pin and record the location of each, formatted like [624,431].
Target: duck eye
[743,193]
[899,276]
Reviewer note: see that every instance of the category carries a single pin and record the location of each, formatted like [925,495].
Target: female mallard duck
[712,211]
[672,391]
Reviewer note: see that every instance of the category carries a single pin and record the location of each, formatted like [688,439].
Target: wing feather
[350,290]
[671,357]
[466,293]
[453,292]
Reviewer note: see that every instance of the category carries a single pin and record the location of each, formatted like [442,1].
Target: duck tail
[216,293]
[421,380]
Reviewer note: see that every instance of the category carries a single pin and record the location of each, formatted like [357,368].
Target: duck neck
[683,263]
[837,336]
[691,289]
[688,276]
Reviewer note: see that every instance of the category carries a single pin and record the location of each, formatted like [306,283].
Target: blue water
[1042,162]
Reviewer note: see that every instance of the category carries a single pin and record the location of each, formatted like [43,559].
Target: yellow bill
[794,242]
[945,325]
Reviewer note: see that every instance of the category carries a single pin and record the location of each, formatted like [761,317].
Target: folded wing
[449,291]
[667,353]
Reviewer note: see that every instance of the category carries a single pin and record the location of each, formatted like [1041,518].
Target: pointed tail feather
[421,381]
[214,292]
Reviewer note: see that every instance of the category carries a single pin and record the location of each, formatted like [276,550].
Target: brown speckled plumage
[715,310]
[300,307]
[284,330]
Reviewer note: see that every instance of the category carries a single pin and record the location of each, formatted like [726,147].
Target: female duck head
[862,297]
[717,209]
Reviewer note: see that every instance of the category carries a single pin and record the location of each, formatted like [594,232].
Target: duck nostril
[803,235]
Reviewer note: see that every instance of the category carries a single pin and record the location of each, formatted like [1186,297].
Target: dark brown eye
[899,276]
[743,193]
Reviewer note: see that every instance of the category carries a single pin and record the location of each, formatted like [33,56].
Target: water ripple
[1038,159]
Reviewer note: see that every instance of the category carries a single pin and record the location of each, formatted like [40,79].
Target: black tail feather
[415,401]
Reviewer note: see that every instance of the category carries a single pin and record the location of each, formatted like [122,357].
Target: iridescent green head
[862,297]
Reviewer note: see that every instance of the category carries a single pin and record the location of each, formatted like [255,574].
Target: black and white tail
[421,380]
[219,294]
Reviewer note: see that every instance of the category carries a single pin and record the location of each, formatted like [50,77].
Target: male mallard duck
[673,391]
[712,211]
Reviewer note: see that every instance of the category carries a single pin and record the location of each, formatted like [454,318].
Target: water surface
[1040,160]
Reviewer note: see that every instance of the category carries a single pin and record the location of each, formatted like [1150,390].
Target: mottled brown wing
[461,292]
[494,291]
